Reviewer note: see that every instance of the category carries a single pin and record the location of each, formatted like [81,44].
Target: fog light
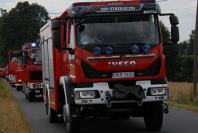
[85,94]
[157,91]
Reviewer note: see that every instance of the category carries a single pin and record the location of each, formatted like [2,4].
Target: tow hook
[165,108]
[108,98]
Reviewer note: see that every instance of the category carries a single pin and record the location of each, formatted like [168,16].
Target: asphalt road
[177,121]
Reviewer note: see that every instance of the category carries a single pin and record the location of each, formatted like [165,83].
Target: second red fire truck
[106,59]
[25,70]
[16,71]
[32,65]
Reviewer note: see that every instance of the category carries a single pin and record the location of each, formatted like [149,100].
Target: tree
[171,54]
[186,52]
[21,25]
[3,12]
[191,41]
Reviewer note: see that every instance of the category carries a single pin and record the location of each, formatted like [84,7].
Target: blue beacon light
[97,50]
[146,48]
[109,50]
[33,45]
[135,49]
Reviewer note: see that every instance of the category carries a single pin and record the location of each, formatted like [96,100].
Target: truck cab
[32,63]
[16,69]
[106,59]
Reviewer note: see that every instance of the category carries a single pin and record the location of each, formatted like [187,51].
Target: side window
[16,57]
[56,34]
[71,35]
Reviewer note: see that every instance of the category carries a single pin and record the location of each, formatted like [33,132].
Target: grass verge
[181,94]
[11,118]
[186,107]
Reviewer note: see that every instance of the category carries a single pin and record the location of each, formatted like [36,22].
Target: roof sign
[123,8]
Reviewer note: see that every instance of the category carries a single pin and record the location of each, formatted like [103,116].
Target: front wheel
[31,96]
[18,88]
[72,122]
[52,115]
[153,116]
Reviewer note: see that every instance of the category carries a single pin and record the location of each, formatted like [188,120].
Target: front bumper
[19,85]
[35,86]
[106,95]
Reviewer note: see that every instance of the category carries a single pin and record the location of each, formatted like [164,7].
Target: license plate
[123,75]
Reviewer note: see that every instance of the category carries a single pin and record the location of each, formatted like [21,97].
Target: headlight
[86,94]
[20,80]
[157,91]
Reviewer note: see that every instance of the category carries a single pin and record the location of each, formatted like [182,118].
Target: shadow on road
[38,99]
[113,126]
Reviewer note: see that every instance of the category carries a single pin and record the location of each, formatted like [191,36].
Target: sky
[184,9]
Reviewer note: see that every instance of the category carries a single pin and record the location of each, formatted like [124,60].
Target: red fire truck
[32,64]
[106,59]
[16,69]
[2,72]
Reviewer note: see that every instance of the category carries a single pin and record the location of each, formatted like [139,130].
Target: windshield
[36,57]
[118,30]
[16,57]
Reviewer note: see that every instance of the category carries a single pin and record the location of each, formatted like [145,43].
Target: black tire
[46,109]
[46,105]
[52,115]
[70,112]
[120,117]
[125,117]
[18,88]
[31,96]
[153,116]
[72,123]
[23,89]
[26,97]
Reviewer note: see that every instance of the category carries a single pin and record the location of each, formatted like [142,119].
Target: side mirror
[81,28]
[174,34]
[174,29]
[174,20]
[56,33]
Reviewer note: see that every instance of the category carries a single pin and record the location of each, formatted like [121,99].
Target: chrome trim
[121,57]
[141,56]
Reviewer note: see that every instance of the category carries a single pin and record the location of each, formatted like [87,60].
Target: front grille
[90,72]
[35,75]
[153,70]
